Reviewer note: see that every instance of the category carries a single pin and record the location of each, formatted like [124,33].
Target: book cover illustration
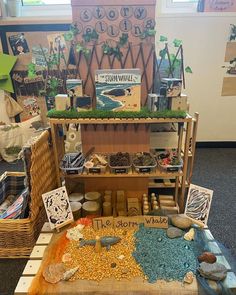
[18,44]
[118,90]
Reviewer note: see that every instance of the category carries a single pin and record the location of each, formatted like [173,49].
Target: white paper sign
[58,208]
[198,203]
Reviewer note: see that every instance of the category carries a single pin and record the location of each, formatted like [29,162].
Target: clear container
[119,169]
[145,169]
[99,169]
[70,158]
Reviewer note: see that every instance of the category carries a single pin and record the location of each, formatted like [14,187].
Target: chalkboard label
[145,170]
[72,171]
[120,170]
[95,170]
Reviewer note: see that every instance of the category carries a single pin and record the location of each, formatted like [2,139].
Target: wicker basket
[18,236]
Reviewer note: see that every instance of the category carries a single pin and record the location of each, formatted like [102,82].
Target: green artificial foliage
[163,39]
[148,33]
[31,70]
[162,53]
[177,42]
[99,114]
[90,36]
[115,50]
[188,70]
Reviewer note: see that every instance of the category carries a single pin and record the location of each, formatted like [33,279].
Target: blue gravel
[161,257]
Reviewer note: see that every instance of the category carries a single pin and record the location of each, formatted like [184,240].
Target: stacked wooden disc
[90,208]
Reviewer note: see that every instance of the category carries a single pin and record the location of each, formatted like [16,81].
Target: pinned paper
[6,64]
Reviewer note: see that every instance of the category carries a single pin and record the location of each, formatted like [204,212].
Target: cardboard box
[173,86]
[118,90]
[179,103]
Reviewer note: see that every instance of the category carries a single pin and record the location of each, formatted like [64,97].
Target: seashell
[181,221]
[53,273]
[189,236]
[207,257]
[69,273]
[189,277]
[121,257]
[66,257]
[74,233]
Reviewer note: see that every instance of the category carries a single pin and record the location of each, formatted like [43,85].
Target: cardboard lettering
[103,222]
[156,221]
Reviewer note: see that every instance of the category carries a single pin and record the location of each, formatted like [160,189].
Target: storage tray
[119,169]
[97,169]
[70,157]
[145,169]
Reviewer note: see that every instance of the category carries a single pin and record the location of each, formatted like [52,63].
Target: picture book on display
[118,90]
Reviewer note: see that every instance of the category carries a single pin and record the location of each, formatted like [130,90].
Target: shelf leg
[55,152]
[185,165]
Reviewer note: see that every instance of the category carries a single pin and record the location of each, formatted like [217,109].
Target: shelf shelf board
[119,121]
[158,173]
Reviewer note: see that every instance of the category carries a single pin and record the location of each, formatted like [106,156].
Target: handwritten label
[95,170]
[120,170]
[103,222]
[145,170]
[123,222]
[127,222]
[156,221]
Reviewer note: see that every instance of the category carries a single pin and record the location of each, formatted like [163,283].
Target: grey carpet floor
[214,169]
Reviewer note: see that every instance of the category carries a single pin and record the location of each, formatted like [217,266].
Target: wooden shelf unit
[125,135]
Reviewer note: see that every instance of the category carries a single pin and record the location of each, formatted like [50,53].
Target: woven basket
[18,236]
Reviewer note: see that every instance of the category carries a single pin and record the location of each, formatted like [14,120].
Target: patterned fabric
[11,185]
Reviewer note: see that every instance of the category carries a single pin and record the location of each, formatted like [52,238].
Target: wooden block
[46,228]
[230,282]
[221,259]
[230,51]
[23,285]
[229,86]
[167,182]
[179,103]
[214,248]
[32,267]
[44,239]
[168,203]
[170,210]
[37,252]
[166,197]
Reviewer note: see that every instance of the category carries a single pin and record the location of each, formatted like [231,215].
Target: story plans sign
[130,222]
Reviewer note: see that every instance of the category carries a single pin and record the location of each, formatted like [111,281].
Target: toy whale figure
[106,241]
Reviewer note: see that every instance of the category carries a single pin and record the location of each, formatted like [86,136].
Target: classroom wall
[204,41]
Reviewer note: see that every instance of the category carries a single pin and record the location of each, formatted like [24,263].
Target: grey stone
[174,232]
[215,271]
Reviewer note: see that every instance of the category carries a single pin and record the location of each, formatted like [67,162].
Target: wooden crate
[18,236]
